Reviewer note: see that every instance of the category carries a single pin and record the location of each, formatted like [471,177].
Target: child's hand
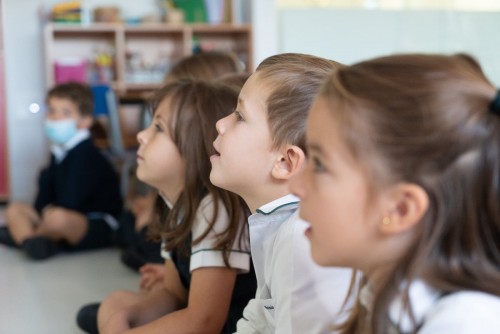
[151,276]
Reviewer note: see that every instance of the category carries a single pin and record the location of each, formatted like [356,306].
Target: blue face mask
[59,132]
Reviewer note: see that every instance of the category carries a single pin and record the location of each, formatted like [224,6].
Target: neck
[257,200]
[171,193]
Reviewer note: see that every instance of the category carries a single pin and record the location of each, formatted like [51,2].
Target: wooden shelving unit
[166,41]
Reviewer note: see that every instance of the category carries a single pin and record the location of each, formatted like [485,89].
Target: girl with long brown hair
[403,183]
[208,277]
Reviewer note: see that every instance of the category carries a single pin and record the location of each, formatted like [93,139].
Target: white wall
[265,29]
[352,35]
[24,84]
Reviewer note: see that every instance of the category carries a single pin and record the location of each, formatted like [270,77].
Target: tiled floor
[43,297]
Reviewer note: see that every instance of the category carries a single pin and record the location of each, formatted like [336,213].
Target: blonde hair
[292,80]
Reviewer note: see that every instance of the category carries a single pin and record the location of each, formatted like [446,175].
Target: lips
[215,148]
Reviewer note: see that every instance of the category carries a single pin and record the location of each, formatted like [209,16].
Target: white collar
[277,204]
[422,298]
[60,151]
[166,200]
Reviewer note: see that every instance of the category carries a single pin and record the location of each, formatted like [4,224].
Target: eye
[238,116]
[318,165]
[158,128]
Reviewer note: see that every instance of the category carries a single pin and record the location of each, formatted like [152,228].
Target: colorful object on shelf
[108,14]
[69,11]
[194,10]
[70,69]
[101,66]
[142,71]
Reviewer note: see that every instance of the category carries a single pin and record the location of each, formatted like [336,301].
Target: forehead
[254,94]
[164,107]
[323,129]
[63,104]
[62,101]
[321,121]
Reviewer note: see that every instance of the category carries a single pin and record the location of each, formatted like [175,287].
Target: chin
[217,178]
[213,178]
[319,259]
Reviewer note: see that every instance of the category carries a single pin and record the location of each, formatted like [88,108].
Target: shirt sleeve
[45,195]
[204,253]
[464,312]
[308,298]
[255,319]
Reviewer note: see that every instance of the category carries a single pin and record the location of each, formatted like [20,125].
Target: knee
[113,303]
[56,220]
[14,208]
[116,299]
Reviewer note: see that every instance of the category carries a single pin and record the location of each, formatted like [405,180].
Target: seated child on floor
[78,196]
[259,149]
[208,274]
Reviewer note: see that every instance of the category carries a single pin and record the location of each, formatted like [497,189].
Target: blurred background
[344,30]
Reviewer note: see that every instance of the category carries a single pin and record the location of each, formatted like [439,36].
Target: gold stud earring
[386,220]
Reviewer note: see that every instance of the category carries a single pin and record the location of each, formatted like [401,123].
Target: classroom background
[344,30]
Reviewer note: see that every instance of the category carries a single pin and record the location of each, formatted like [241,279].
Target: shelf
[160,44]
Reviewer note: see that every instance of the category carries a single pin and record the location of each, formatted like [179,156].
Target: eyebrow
[241,102]
[160,119]
[316,148]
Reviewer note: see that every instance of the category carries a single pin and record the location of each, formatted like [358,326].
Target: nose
[220,125]
[141,137]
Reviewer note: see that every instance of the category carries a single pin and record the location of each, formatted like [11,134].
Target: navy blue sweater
[84,181]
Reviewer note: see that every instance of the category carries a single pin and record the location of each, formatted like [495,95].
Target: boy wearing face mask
[78,196]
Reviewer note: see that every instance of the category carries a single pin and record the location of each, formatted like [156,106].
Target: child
[78,196]
[144,254]
[208,278]
[204,66]
[260,148]
[403,183]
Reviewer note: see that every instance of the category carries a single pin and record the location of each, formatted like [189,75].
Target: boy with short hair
[78,197]
[260,148]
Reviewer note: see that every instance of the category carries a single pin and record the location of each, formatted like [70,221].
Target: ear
[408,203]
[288,163]
[85,122]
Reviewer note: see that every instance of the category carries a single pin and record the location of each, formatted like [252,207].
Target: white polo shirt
[294,295]
[204,253]
[463,312]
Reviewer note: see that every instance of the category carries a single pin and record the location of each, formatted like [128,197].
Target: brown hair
[292,80]
[427,120]
[195,108]
[234,80]
[79,94]
[205,66]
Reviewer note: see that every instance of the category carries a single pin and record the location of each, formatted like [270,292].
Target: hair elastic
[495,104]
